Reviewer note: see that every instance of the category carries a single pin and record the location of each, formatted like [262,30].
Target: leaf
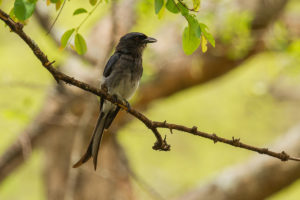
[206,34]
[196,4]
[12,14]
[93,2]
[66,37]
[203,44]
[48,2]
[79,11]
[171,6]
[190,42]
[54,1]
[184,11]
[80,44]
[158,5]
[23,9]
[194,24]
[58,5]
[161,12]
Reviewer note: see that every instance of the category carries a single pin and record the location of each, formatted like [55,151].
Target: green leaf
[193,24]
[66,37]
[206,34]
[12,14]
[80,44]
[79,11]
[54,1]
[158,5]
[190,42]
[171,6]
[161,12]
[184,11]
[23,9]
[196,4]
[93,2]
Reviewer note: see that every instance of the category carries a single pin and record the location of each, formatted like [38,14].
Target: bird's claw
[116,99]
[127,104]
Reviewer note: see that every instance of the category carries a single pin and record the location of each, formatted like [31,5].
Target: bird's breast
[122,83]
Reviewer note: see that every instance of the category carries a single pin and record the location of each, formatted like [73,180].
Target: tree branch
[160,144]
[256,178]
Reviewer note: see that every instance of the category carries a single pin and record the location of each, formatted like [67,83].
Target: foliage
[194,34]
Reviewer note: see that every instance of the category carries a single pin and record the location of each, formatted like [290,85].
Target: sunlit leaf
[79,11]
[161,12]
[80,44]
[93,2]
[203,44]
[171,6]
[158,5]
[196,4]
[190,42]
[194,24]
[23,9]
[66,37]
[12,14]
[206,34]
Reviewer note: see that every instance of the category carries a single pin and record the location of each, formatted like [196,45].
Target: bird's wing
[110,64]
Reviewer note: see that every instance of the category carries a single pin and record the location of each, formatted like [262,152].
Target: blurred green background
[237,104]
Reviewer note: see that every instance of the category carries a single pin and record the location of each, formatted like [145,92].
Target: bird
[120,79]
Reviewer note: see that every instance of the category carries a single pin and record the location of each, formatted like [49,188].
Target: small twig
[56,18]
[160,144]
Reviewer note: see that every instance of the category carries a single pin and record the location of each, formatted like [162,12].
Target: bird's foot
[116,98]
[127,104]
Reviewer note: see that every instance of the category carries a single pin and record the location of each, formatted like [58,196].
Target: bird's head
[134,43]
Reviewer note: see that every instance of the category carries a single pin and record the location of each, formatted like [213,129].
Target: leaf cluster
[194,34]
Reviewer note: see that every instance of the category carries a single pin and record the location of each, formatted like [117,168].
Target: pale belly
[125,88]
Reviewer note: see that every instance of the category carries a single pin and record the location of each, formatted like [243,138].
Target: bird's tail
[104,122]
[94,145]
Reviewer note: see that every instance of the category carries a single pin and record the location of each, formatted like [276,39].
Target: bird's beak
[150,40]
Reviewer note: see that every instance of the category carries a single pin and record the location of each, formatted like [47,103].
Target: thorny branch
[160,144]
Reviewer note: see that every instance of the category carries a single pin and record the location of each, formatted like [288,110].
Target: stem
[88,15]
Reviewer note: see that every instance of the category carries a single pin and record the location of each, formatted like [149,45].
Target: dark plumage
[121,77]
